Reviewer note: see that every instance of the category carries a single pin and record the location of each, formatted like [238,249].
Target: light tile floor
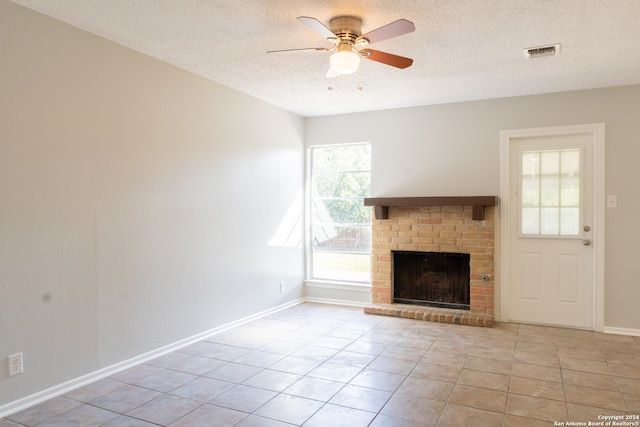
[329,366]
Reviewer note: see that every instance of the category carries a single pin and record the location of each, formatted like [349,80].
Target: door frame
[506,137]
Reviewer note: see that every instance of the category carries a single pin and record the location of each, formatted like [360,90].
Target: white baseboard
[41,396]
[621,331]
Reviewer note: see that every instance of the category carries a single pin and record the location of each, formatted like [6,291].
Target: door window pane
[549,221]
[570,221]
[530,220]
[570,191]
[550,193]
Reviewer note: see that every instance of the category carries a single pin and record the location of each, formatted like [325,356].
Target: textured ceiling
[462,49]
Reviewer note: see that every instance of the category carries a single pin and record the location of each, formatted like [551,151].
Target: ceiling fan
[350,44]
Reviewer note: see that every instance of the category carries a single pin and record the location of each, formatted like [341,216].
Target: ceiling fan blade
[387,58]
[317,26]
[394,29]
[322,49]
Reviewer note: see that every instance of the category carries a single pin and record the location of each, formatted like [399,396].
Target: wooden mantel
[478,203]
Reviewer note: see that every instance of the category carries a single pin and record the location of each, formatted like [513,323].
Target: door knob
[586,242]
[587,228]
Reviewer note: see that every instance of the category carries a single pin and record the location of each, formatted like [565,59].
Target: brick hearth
[435,229]
[432,314]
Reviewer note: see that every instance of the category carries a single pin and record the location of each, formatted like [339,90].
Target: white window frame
[310,281]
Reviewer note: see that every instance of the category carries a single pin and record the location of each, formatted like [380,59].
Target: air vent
[540,51]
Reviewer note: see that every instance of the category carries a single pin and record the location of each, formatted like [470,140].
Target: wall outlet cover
[15,364]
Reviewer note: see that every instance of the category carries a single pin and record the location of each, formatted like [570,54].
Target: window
[551,192]
[340,223]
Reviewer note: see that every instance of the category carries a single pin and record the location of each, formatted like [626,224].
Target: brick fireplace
[435,224]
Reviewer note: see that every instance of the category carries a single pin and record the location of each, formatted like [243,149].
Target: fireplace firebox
[436,279]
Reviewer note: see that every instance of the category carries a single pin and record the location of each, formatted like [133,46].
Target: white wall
[454,150]
[137,203]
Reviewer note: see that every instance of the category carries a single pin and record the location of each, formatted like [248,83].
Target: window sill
[342,286]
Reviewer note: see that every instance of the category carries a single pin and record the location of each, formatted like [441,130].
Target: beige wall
[137,203]
[454,150]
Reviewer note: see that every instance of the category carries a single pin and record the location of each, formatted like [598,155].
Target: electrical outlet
[15,364]
[281,287]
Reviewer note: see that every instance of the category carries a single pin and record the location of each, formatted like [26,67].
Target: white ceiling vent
[540,51]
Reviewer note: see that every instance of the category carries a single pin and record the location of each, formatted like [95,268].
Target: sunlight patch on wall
[288,233]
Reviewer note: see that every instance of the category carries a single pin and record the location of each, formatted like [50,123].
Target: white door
[551,229]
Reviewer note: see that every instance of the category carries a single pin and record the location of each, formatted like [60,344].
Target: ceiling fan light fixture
[349,42]
[345,60]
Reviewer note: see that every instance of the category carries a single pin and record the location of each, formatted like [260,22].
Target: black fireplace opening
[436,279]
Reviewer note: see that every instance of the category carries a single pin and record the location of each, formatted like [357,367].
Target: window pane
[530,221]
[569,221]
[342,238]
[337,266]
[570,163]
[344,184]
[549,221]
[346,211]
[530,192]
[550,191]
[549,163]
[531,164]
[342,158]
[570,192]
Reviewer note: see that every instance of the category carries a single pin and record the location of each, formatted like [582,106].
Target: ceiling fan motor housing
[346,28]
